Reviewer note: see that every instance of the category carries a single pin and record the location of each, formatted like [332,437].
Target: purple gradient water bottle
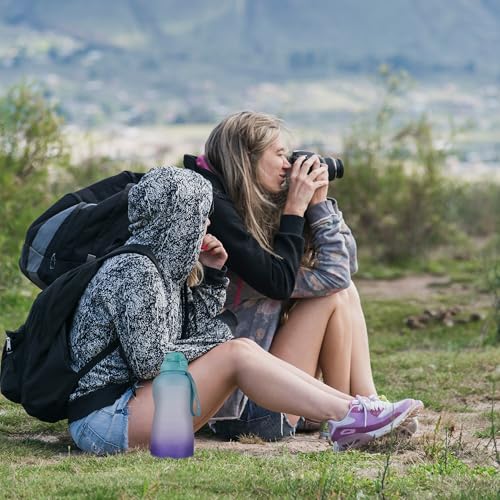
[174,393]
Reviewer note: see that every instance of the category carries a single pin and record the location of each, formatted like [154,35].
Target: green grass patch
[14,307]
[388,331]
[216,474]
[442,380]
[468,267]
[493,427]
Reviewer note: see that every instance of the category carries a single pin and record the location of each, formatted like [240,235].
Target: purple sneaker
[410,425]
[368,419]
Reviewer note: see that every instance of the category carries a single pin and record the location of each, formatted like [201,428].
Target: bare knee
[352,293]
[238,349]
[243,345]
[337,300]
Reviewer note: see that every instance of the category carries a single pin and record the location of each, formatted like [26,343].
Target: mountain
[280,36]
[196,50]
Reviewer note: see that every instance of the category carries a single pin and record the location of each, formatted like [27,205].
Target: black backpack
[81,226]
[36,369]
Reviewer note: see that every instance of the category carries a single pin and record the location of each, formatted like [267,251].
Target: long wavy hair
[234,149]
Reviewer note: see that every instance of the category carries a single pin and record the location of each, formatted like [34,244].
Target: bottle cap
[174,361]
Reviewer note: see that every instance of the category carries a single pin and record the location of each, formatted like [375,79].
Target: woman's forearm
[331,269]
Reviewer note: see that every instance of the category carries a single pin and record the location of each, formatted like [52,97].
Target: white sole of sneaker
[356,440]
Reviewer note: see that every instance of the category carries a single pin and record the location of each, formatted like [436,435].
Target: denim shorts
[266,424]
[104,431]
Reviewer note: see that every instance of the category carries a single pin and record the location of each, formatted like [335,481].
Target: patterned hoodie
[129,300]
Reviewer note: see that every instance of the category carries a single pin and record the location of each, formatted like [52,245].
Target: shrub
[395,196]
[31,143]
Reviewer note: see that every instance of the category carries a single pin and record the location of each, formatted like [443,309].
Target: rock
[476,316]
[414,323]
[424,319]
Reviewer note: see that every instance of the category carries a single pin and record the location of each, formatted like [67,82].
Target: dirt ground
[420,287]
[436,433]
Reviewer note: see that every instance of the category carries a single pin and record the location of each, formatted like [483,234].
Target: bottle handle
[194,397]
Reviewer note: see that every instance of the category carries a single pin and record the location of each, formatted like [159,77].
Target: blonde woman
[263,206]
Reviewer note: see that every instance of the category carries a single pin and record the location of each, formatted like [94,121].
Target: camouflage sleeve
[331,271]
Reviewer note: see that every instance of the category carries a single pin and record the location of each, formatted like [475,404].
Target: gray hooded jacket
[129,300]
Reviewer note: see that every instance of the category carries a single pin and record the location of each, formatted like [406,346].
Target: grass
[214,474]
[454,370]
[465,266]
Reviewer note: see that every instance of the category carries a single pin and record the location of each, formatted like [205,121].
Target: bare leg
[238,363]
[335,359]
[305,376]
[361,370]
[336,343]
[302,341]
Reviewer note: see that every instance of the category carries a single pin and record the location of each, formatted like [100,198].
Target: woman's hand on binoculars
[306,177]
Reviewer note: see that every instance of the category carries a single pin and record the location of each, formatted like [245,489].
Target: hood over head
[168,210]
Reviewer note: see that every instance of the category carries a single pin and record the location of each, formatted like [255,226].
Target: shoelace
[369,404]
[384,402]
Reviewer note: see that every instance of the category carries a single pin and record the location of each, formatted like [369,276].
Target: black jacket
[269,275]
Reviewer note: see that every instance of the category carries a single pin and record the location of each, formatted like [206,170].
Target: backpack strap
[97,359]
[134,248]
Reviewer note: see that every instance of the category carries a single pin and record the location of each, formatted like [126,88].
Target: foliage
[477,207]
[396,197]
[31,145]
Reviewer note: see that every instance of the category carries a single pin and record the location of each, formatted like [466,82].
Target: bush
[395,196]
[31,145]
[476,207]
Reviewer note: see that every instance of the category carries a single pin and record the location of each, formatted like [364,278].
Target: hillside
[128,59]
[278,37]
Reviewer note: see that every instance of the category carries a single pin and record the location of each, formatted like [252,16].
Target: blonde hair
[234,149]
[196,275]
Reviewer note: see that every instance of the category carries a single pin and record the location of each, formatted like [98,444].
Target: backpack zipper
[52,264]
[8,346]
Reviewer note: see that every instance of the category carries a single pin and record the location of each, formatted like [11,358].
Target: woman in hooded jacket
[291,261]
[181,309]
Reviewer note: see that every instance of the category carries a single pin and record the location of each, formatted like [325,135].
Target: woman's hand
[321,193]
[213,254]
[306,177]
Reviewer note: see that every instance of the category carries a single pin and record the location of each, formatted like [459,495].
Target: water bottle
[174,393]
